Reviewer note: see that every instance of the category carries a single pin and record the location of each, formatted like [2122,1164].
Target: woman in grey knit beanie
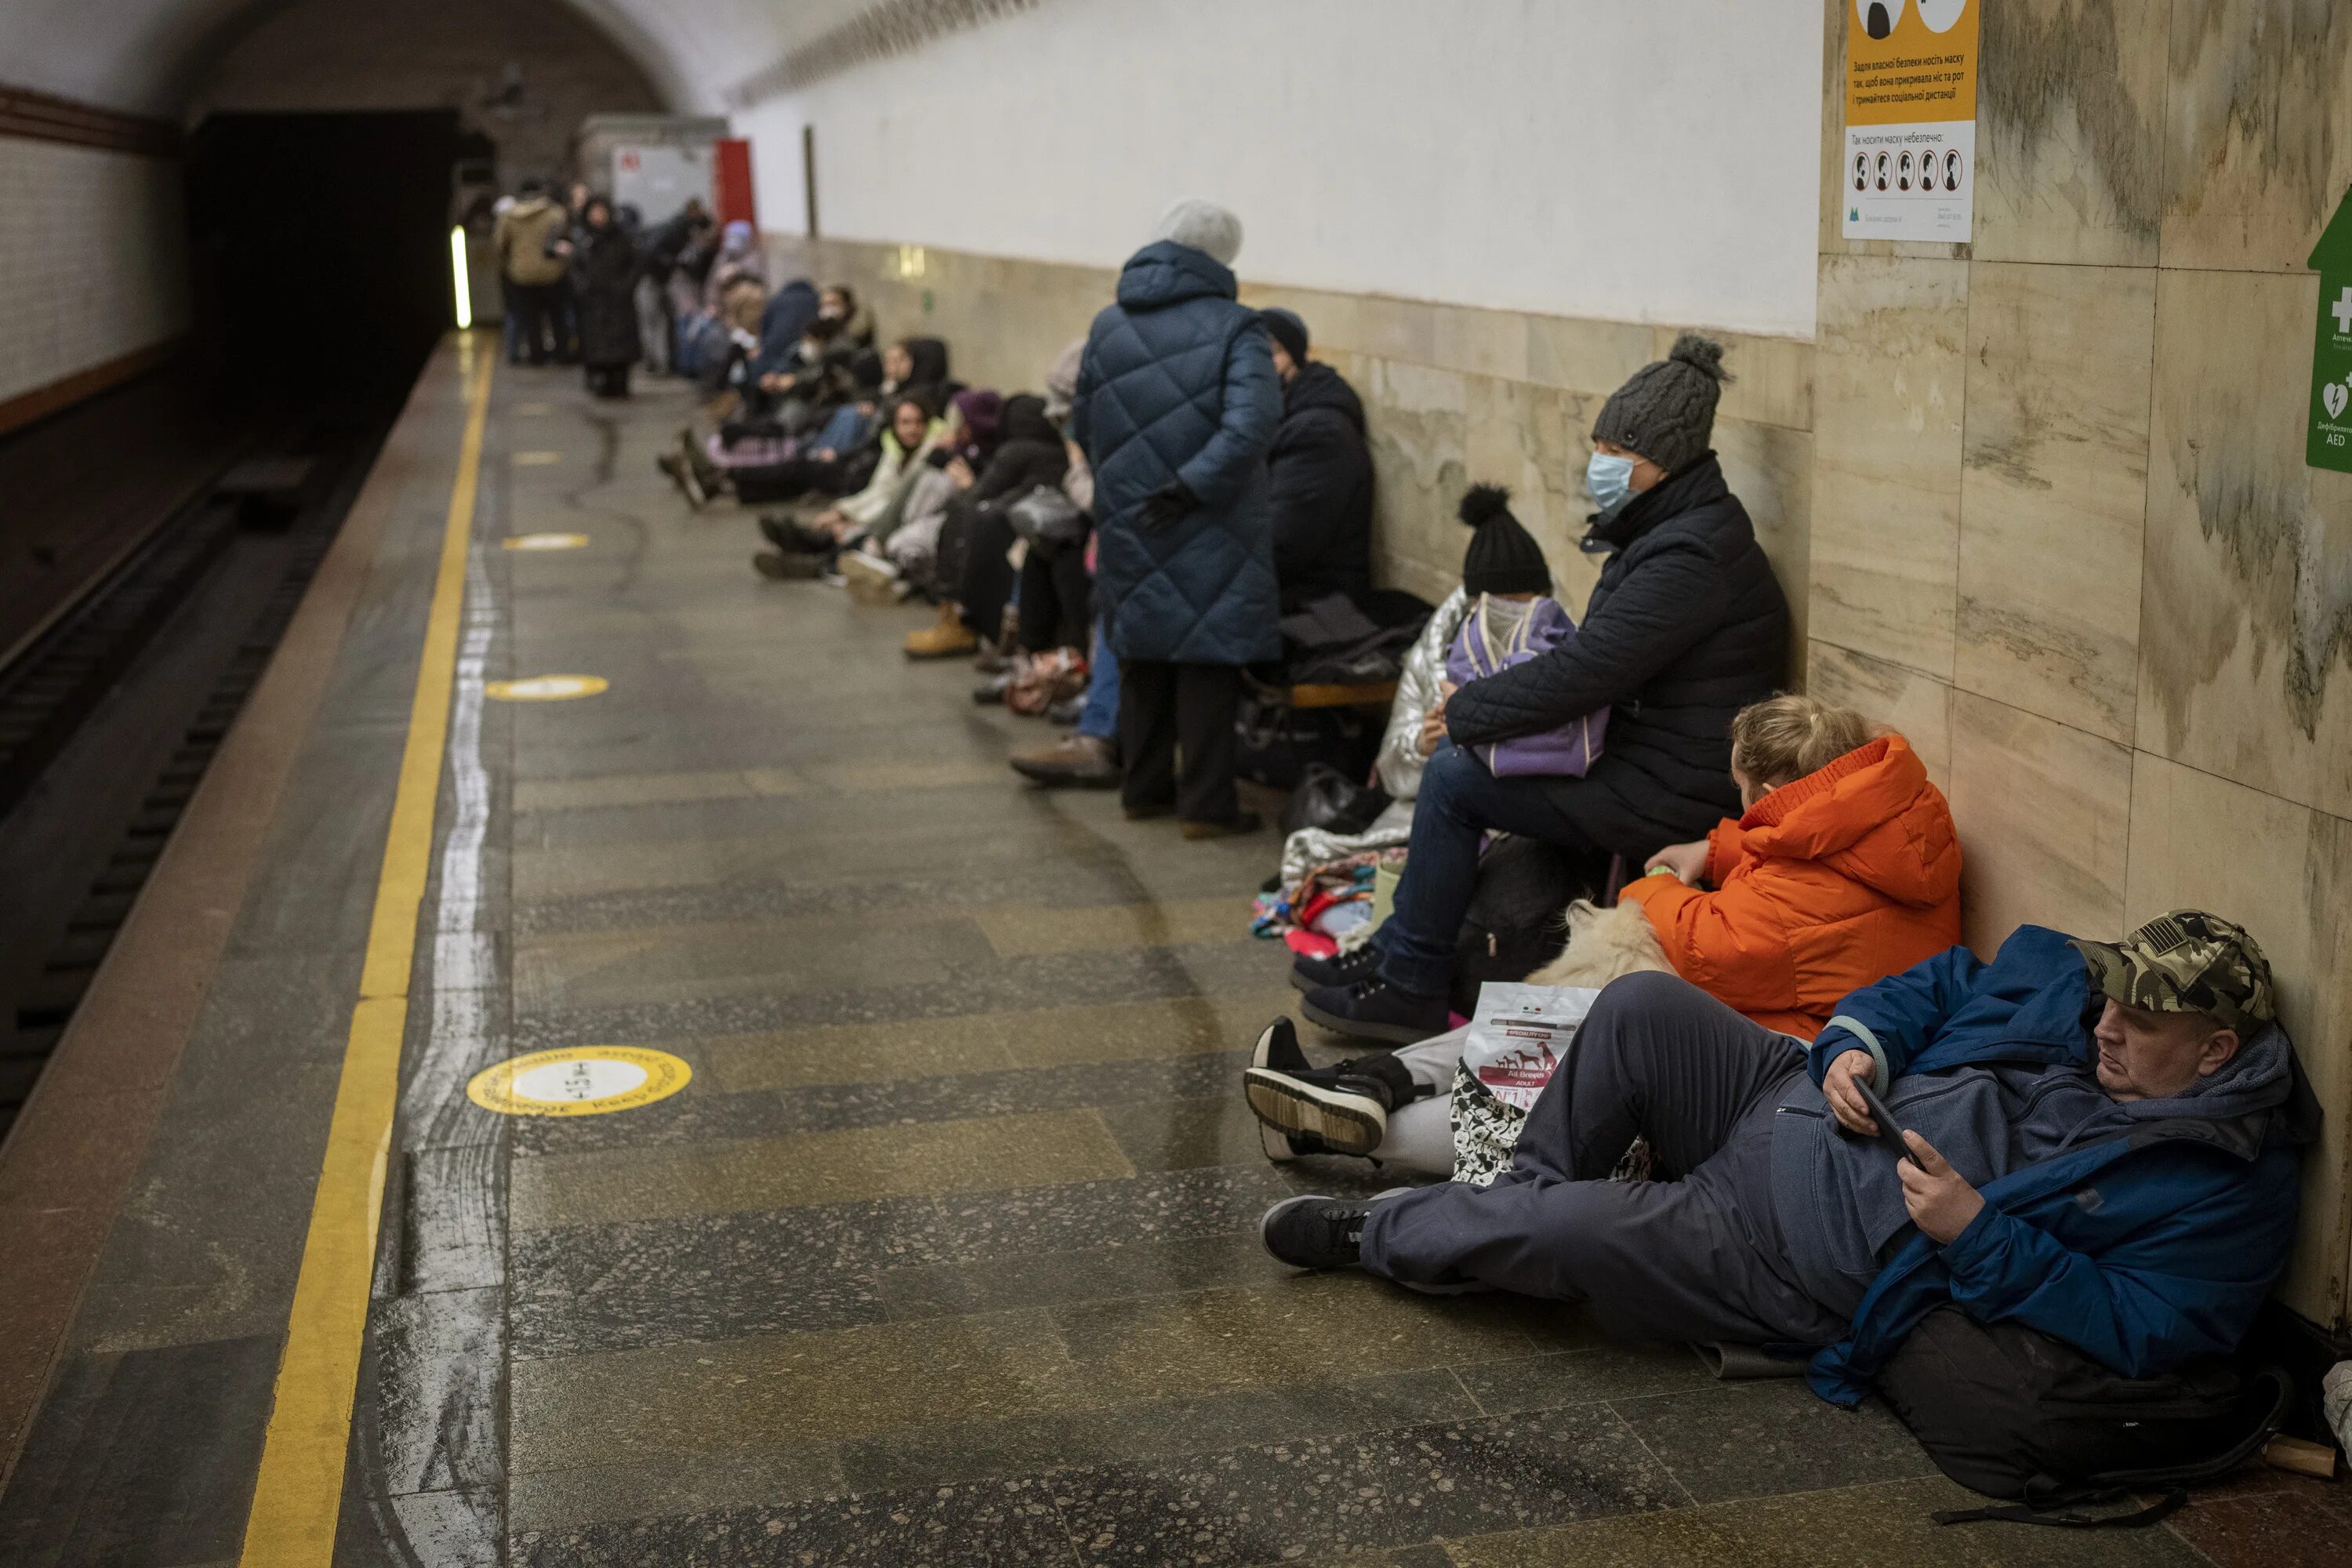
[1664,417]
[1685,626]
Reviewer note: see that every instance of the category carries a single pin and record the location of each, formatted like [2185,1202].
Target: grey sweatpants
[1694,1254]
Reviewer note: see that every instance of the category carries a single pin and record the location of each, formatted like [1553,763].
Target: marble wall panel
[1771,468]
[1771,378]
[2044,813]
[2246,612]
[1531,439]
[1578,355]
[2053,489]
[1443,386]
[2286,872]
[1919,705]
[1419,426]
[1479,342]
[2070,131]
[2258,130]
[1888,382]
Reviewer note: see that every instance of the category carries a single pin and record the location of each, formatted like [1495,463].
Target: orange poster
[1910,118]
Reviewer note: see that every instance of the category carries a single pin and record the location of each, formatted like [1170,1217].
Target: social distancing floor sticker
[545,688]
[579,1081]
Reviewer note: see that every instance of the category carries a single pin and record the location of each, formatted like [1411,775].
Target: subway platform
[904,1205]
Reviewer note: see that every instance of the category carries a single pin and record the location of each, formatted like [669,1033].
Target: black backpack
[2009,1412]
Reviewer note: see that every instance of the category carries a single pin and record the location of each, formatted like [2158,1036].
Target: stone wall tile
[2044,812]
[1529,438]
[1771,378]
[2197,841]
[2259,131]
[2070,131]
[1887,395]
[1419,421]
[2053,489]
[1770,469]
[1577,354]
[1399,330]
[1919,705]
[1479,342]
[2245,667]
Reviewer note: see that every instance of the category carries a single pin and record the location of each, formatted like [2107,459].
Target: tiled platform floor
[947,1253]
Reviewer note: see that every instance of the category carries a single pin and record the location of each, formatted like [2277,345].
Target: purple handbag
[1482,648]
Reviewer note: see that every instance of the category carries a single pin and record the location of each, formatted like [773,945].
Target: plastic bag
[1519,1038]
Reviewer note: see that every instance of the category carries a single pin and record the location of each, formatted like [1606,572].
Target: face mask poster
[1910,119]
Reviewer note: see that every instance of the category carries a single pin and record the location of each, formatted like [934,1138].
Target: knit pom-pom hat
[1503,557]
[1665,410]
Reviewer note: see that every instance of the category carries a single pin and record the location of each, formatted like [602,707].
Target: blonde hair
[742,302]
[1781,739]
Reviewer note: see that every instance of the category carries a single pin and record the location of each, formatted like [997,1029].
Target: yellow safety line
[300,1488]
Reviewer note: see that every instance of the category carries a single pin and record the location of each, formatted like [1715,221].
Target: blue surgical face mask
[1608,480]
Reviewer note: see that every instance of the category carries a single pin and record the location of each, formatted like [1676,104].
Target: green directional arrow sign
[2331,359]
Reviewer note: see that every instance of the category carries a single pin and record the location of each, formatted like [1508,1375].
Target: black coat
[1321,474]
[605,265]
[1686,627]
[1029,452]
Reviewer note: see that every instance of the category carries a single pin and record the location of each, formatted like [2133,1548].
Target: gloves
[1168,506]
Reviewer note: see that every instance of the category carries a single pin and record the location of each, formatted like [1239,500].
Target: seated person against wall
[806,548]
[726,357]
[1320,473]
[1842,869]
[1686,628]
[895,558]
[918,364]
[837,454]
[838,305]
[971,573]
[2102,1147]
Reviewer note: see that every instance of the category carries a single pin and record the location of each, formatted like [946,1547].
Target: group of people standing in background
[585,282]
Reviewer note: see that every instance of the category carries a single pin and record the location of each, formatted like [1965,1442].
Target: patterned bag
[1518,1038]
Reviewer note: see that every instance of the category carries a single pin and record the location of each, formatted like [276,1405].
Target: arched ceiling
[144,55]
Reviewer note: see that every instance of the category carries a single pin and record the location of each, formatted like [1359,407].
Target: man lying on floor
[2102,1147]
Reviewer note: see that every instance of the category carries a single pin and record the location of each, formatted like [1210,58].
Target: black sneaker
[1315,1232]
[1372,1009]
[1341,968]
[1278,1047]
[1344,1109]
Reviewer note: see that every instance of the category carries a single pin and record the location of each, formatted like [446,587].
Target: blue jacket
[2146,1250]
[1178,384]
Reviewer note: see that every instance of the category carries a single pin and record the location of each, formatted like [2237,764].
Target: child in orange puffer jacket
[1844,869]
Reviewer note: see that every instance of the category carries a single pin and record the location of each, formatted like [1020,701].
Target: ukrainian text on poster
[1910,119]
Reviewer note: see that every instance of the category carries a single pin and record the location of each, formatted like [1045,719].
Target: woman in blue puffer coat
[1177,404]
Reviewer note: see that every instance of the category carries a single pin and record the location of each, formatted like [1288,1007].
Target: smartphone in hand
[1889,1134]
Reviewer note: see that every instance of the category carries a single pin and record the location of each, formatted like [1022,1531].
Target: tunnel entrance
[322,248]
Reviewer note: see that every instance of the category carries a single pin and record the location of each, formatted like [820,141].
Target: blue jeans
[1460,803]
[1099,720]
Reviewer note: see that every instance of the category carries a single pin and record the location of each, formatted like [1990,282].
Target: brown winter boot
[948,639]
[1084,760]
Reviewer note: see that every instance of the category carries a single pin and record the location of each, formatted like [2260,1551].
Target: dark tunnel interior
[320,247]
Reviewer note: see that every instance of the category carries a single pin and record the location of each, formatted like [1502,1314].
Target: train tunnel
[1067,781]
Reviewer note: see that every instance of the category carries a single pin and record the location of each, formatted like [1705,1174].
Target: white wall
[1639,160]
[92,257]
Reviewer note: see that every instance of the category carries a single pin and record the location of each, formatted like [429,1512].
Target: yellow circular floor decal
[545,688]
[578,1081]
[546,541]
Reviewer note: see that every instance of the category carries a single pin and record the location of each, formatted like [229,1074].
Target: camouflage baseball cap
[2186,962]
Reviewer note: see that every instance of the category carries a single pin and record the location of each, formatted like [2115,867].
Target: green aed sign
[2331,359]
